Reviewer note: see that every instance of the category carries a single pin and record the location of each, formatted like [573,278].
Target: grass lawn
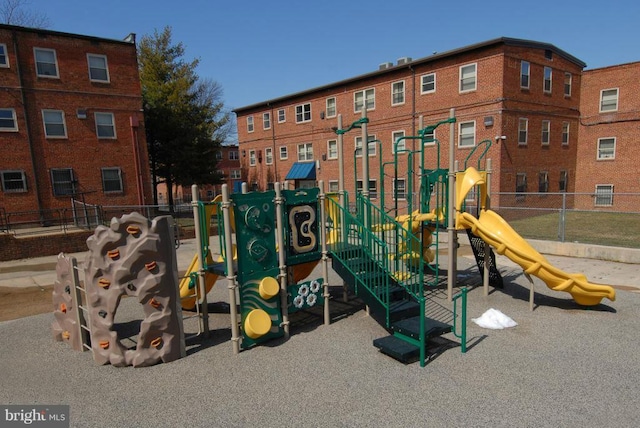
[613,229]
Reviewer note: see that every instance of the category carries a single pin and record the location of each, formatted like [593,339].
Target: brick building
[523,96]
[71,121]
[609,135]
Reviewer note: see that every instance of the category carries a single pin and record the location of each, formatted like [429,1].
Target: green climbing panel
[302,215]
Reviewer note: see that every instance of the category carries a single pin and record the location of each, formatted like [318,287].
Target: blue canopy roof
[302,171]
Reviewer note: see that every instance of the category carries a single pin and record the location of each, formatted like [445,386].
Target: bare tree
[18,12]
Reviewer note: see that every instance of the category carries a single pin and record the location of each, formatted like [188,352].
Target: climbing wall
[67,316]
[134,257]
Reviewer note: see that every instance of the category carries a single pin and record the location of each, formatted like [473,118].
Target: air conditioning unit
[404,60]
[385,65]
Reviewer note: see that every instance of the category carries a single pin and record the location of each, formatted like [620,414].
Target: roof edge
[129,40]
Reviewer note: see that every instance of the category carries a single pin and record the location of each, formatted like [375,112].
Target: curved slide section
[494,230]
[189,291]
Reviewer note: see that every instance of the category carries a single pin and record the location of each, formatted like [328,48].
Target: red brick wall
[81,150]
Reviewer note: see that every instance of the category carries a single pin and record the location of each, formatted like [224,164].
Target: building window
[567,84]
[111,180]
[359,97]
[252,158]
[233,155]
[332,149]
[467,134]
[548,54]
[468,78]
[249,123]
[13,181]
[98,69]
[428,83]
[371,146]
[543,182]
[4,58]
[565,133]
[604,195]
[373,188]
[525,74]
[397,93]
[105,127]
[8,122]
[398,146]
[562,183]
[609,100]
[218,155]
[521,184]
[399,188]
[333,186]
[606,148]
[303,113]
[305,152]
[523,125]
[331,107]
[266,120]
[284,153]
[548,74]
[268,156]
[235,174]
[282,116]
[429,138]
[546,127]
[62,181]
[46,62]
[54,126]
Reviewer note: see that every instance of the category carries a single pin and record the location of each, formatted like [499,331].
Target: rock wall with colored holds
[65,327]
[134,257]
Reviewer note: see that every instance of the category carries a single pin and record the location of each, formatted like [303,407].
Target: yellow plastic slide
[189,296]
[494,230]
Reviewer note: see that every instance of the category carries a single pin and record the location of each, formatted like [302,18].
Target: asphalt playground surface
[561,366]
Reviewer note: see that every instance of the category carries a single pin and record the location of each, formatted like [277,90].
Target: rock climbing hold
[104,344]
[104,282]
[133,229]
[156,342]
[66,335]
[153,302]
[102,313]
[63,308]
[113,254]
[151,265]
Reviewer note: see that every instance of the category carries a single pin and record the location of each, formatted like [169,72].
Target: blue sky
[258,50]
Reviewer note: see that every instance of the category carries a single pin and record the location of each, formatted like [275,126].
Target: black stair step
[397,348]
[411,327]
[402,309]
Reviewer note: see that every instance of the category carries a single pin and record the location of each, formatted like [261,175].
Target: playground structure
[271,241]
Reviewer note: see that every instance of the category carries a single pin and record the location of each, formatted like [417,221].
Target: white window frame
[303,113]
[305,152]
[368,95]
[357,145]
[600,192]
[63,123]
[268,156]
[563,181]
[253,160]
[545,136]
[55,63]
[14,128]
[606,154]
[4,54]
[331,106]
[524,74]
[102,177]
[462,138]
[521,131]
[284,153]
[396,195]
[549,80]
[250,124]
[398,90]
[403,143]
[543,182]
[113,125]
[234,155]
[10,189]
[266,120]
[521,177]
[602,101]
[70,182]
[422,84]
[332,149]
[565,133]
[431,136]
[282,115]
[568,84]
[106,68]
[373,187]
[465,80]
[334,186]
[235,174]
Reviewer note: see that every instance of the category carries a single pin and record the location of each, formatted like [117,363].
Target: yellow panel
[268,288]
[257,324]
